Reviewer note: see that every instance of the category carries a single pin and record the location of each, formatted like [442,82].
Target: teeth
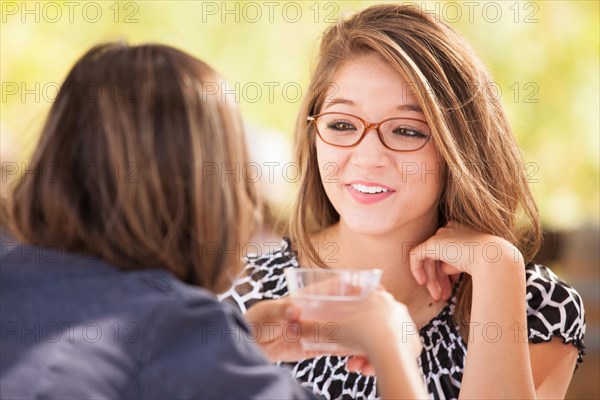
[368,189]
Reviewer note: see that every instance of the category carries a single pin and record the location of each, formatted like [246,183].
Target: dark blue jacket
[74,327]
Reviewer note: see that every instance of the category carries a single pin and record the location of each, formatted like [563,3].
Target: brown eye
[408,132]
[340,126]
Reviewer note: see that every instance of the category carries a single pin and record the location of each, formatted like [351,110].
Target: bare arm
[500,362]
[552,365]
[382,330]
[398,375]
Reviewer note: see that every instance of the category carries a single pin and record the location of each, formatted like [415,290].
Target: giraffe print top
[553,309]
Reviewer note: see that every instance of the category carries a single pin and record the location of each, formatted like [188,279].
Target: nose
[370,152]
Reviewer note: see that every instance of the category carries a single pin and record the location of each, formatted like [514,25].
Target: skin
[400,235]
[384,231]
[388,350]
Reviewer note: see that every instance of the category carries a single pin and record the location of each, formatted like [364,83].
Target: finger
[448,269]
[444,280]
[368,370]
[340,353]
[292,312]
[283,308]
[354,364]
[433,284]
[431,248]
[360,365]
[416,264]
[318,331]
[273,311]
[314,354]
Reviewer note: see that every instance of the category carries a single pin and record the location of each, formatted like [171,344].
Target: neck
[341,247]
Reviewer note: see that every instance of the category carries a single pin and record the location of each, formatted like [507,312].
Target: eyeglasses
[347,130]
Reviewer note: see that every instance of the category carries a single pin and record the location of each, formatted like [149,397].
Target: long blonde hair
[468,123]
[129,167]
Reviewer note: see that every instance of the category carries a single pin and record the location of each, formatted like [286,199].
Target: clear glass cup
[326,295]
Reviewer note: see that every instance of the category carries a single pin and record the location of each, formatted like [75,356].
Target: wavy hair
[127,167]
[484,185]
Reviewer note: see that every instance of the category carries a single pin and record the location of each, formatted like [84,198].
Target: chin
[367,225]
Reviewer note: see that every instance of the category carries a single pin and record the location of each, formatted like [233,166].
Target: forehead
[368,83]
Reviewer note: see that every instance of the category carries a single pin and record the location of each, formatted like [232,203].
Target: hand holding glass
[328,295]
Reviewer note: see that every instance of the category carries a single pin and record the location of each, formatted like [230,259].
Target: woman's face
[407,183]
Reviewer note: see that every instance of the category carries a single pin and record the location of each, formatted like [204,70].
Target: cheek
[330,162]
[423,172]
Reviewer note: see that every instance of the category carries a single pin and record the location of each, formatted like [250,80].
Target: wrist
[499,275]
[499,257]
[398,373]
[402,343]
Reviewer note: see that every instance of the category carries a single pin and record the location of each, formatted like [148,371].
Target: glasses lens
[340,129]
[404,134]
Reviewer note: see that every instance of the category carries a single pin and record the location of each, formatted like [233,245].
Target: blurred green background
[544,57]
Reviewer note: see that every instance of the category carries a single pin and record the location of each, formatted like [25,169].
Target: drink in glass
[327,295]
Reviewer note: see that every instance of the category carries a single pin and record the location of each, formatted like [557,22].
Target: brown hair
[456,94]
[128,167]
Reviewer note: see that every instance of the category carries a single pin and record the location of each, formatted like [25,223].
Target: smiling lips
[368,192]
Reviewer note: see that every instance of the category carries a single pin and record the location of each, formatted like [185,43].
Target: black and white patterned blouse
[553,309]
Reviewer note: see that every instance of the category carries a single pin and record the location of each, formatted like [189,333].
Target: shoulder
[191,310]
[554,308]
[199,346]
[180,305]
[156,329]
[262,277]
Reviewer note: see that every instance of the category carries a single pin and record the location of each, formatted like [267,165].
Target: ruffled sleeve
[554,308]
[262,277]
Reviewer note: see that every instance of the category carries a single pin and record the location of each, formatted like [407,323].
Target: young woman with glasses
[409,165]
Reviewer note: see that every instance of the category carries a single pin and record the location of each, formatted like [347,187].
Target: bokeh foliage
[544,56]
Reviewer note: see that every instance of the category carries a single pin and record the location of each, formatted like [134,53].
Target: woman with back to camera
[409,165]
[122,233]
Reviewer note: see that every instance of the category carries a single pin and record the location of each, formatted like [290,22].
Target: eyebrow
[401,107]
